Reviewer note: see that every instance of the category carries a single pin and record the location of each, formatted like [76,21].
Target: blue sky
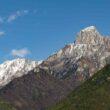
[36,28]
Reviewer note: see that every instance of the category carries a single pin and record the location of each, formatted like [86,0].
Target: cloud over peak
[20,53]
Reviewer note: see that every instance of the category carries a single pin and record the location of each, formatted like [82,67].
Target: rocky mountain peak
[89,53]
[90,28]
[89,35]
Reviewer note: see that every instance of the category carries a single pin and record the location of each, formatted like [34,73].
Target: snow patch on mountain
[10,70]
[90,28]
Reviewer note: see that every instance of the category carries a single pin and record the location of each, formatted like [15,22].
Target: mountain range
[32,85]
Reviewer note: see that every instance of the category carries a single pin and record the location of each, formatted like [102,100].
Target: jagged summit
[89,35]
[87,54]
[90,28]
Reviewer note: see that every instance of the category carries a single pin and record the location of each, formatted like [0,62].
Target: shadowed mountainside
[35,91]
[94,94]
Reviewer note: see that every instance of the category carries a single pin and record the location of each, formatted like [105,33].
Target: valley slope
[35,91]
[94,94]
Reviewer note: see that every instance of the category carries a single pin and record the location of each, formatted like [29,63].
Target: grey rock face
[89,35]
[88,54]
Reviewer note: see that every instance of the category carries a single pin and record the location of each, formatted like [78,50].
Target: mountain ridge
[90,45]
[10,70]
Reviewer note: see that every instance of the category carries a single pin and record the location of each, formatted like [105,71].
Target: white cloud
[20,53]
[16,15]
[2,33]
[11,18]
[25,11]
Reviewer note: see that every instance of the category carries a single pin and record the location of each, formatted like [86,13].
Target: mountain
[94,94]
[89,53]
[10,70]
[54,78]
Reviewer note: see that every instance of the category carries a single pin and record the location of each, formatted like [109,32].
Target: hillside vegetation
[5,106]
[94,94]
